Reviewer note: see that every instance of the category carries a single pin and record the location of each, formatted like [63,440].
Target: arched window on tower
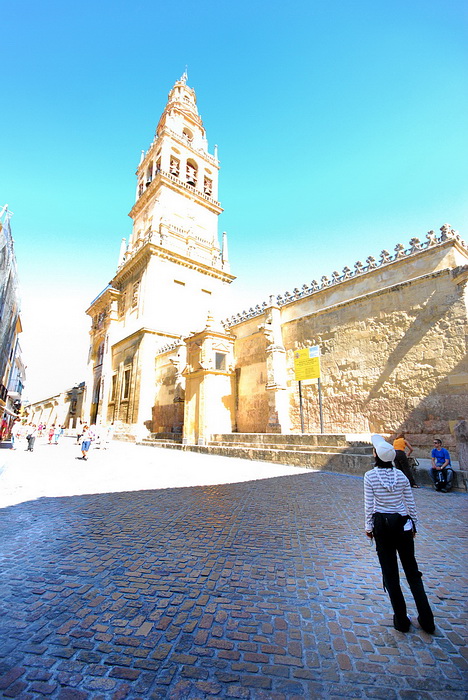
[191,173]
[188,134]
[174,166]
[208,186]
[149,174]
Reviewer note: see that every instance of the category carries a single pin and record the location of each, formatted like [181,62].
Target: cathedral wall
[393,346]
[252,401]
[390,361]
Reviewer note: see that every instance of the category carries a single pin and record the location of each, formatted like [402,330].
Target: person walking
[51,433]
[400,445]
[31,437]
[441,470]
[391,520]
[85,442]
[58,432]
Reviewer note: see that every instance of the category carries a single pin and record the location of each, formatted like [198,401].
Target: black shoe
[403,625]
[428,626]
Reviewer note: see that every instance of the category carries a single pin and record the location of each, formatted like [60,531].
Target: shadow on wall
[426,318]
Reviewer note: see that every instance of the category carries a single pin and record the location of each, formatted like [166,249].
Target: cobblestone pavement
[265,588]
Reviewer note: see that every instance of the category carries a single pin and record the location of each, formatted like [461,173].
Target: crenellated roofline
[447,237]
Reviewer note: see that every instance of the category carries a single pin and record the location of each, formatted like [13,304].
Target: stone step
[258,439]
[344,462]
[166,437]
[319,460]
[350,449]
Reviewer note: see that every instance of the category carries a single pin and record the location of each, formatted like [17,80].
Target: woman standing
[390,518]
[400,445]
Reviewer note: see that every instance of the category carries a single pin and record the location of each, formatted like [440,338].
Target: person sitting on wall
[400,445]
[441,470]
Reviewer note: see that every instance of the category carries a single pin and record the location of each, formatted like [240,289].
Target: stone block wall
[390,361]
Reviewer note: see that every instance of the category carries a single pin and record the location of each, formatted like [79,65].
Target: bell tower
[177,185]
[172,273]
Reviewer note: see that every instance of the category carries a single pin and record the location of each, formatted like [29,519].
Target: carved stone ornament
[358,266]
[415,244]
[399,251]
[385,257]
[335,277]
[325,281]
[347,273]
[371,264]
[446,231]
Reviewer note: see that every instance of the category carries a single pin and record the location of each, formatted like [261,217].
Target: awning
[10,413]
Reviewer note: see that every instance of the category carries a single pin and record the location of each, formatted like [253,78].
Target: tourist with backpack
[391,520]
[441,470]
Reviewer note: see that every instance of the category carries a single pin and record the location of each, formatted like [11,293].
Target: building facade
[12,368]
[392,332]
[65,409]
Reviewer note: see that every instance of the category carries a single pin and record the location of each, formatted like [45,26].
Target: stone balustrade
[401,251]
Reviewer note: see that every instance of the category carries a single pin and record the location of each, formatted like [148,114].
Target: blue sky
[341,129]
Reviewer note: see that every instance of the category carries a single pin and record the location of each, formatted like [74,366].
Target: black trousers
[390,541]
[401,463]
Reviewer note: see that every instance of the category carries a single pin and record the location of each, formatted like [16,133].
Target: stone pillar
[279,420]
[179,362]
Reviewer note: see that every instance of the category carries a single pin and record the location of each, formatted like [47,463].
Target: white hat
[383,448]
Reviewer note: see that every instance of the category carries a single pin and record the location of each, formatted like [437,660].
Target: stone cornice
[144,330]
[142,256]
[98,304]
[460,274]
[374,293]
[133,265]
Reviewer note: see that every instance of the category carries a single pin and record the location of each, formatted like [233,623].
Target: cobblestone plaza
[146,573]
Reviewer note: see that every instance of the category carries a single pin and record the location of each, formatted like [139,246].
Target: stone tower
[171,274]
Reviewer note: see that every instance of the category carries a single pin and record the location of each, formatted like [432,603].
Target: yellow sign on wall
[307,363]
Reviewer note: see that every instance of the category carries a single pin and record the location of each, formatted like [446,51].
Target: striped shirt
[387,491]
